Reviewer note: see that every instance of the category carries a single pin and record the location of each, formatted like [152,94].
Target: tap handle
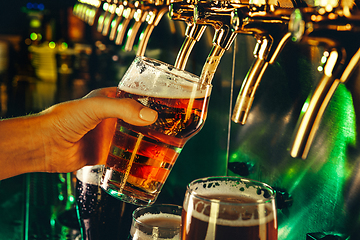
[128,14]
[246,95]
[109,18]
[118,18]
[340,34]
[140,17]
[193,34]
[94,12]
[314,107]
[105,12]
[271,32]
[153,19]
[313,110]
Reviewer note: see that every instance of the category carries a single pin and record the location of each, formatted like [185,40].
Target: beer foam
[90,174]
[240,222]
[264,205]
[162,81]
[140,235]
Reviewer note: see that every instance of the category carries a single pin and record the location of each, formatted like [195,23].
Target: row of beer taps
[332,24]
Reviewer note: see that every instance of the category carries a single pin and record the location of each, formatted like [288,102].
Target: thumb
[126,109]
[131,111]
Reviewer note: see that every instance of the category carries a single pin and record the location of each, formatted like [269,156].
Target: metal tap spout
[128,14]
[269,26]
[140,16]
[339,32]
[193,34]
[105,13]
[184,11]
[115,24]
[109,17]
[218,15]
[152,20]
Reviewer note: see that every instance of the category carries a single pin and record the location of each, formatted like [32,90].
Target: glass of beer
[156,222]
[141,158]
[229,208]
[100,215]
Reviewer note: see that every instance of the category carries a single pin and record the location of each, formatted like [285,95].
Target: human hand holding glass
[141,158]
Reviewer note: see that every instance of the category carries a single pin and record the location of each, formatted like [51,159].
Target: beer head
[156,222]
[150,77]
[90,174]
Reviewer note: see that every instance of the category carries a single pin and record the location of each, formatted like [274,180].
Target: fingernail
[148,114]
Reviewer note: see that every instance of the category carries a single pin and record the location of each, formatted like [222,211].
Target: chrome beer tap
[117,20]
[128,13]
[268,23]
[94,11]
[218,15]
[139,18]
[337,28]
[105,12]
[152,20]
[148,13]
[111,13]
[184,11]
[88,10]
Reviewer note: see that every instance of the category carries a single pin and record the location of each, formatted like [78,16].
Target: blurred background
[48,55]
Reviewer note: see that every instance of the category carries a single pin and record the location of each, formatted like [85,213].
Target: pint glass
[156,222]
[229,208]
[141,158]
[100,215]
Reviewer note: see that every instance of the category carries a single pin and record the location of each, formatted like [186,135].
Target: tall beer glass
[156,222]
[141,158]
[229,208]
[100,215]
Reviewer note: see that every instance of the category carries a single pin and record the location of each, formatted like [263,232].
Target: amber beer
[141,158]
[231,224]
[228,209]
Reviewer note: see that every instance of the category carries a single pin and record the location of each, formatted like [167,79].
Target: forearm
[21,146]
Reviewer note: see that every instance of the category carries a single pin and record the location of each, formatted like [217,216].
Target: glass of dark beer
[160,222]
[100,215]
[229,208]
[141,158]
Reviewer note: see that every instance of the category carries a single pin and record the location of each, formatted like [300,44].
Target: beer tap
[109,17]
[116,22]
[139,18]
[128,14]
[105,12]
[268,23]
[87,10]
[184,11]
[149,13]
[218,15]
[152,20]
[337,28]
[94,11]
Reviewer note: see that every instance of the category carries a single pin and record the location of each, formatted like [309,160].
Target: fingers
[105,92]
[126,109]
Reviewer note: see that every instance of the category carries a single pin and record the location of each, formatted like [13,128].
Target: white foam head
[90,174]
[155,79]
[139,235]
[264,207]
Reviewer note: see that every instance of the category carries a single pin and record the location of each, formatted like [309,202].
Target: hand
[69,135]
